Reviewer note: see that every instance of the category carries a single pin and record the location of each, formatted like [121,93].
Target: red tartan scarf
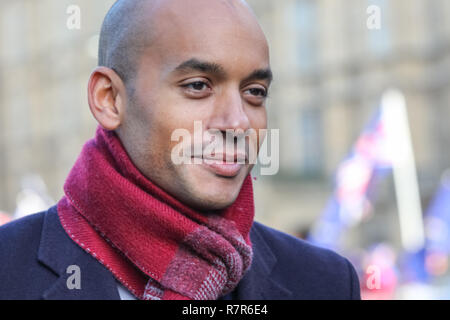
[157,247]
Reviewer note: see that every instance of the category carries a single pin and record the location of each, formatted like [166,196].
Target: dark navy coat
[35,253]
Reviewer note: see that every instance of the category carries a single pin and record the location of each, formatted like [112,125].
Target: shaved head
[128,29]
[123,36]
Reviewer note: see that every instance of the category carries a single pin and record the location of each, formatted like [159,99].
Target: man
[133,224]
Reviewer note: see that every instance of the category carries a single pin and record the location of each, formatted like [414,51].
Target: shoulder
[319,272]
[290,246]
[21,274]
[21,234]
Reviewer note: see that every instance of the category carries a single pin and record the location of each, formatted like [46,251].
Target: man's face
[208,62]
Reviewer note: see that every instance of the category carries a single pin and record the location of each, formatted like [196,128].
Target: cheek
[258,118]
[258,122]
[170,123]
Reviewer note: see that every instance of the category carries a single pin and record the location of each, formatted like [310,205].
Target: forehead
[223,32]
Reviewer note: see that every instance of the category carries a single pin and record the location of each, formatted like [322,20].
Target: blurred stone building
[330,71]
[44,68]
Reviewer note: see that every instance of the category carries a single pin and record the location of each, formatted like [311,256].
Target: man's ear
[107,97]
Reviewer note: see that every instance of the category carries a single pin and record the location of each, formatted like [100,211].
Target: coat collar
[258,284]
[57,251]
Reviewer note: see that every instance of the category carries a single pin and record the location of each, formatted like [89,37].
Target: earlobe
[104,95]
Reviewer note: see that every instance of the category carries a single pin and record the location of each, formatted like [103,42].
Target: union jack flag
[350,202]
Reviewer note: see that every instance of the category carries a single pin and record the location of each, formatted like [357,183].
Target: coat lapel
[257,284]
[57,251]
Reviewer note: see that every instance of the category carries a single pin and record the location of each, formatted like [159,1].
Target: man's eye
[257,92]
[197,86]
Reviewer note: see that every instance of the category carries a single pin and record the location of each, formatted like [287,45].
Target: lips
[225,169]
[224,165]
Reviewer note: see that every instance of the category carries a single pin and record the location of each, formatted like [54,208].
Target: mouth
[225,165]
[224,169]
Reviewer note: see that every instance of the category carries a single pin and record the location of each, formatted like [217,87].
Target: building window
[305,23]
[312,141]
[379,40]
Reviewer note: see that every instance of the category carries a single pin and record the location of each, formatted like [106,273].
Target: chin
[213,200]
[205,191]
[213,196]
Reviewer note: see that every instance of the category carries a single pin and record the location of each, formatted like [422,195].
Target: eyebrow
[260,74]
[217,70]
[202,66]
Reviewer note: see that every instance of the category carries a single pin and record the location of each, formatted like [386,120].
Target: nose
[229,112]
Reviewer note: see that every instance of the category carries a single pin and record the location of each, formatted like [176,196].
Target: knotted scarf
[156,246]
